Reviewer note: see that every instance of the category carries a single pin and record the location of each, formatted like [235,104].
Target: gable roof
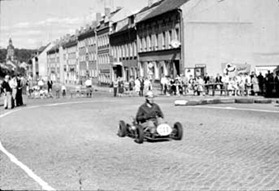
[165,6]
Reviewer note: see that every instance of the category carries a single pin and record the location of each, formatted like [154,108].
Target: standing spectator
[115,87]
[19,99]
[255,84]
[185,84]
[13,85]
[277,84]
[206,79]
[120,86]
[147,85]
[200,86]
[163,83]
[261,83]
[57,89]
[247,81]
[131,85]
[137,86]
[41,83]
[63,90]
[141,86]
[88,85]
[7,93]
[49,87]
[219,83]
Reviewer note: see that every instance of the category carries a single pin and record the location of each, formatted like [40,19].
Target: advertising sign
[235,69]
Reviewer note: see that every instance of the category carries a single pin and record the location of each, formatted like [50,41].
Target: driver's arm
[141,116]
[159,112]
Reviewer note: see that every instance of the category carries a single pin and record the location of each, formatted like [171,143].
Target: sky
[33,23]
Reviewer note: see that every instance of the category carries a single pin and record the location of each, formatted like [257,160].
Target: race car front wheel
[177,133]
[122,131]
[139,134]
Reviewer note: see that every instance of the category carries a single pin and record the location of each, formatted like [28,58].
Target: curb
[222,101]
[264,101]
[244,100]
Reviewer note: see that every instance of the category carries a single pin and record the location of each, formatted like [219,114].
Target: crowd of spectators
[240,85]
[11,88]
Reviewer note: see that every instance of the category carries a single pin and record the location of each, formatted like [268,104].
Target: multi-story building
[104,52]
[71,61]
[55,62]
[195,37]
[123,40]
[87,47]
[41,61]
[158,39]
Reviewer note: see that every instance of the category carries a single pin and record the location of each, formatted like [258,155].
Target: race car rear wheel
[122,131]
[139,134]
[177,131]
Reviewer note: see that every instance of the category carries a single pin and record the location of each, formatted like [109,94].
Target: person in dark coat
[7,93]
[19,99]
[261,83]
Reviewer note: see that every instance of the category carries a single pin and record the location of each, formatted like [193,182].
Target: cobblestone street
[72,145]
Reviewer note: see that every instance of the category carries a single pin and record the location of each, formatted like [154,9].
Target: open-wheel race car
[160,132]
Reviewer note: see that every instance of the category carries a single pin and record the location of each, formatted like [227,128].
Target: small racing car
[161,132]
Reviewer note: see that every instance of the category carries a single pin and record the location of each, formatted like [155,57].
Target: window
[156,41]
[177,36]
[163,40]
[170,38]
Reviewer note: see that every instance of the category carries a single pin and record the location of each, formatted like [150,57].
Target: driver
[149,114]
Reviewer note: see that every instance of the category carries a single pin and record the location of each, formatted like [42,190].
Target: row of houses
[167,37]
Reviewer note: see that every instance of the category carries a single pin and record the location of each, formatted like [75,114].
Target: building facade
[123,42]
[53,63]
[157,51]
[70,57]
[87,48]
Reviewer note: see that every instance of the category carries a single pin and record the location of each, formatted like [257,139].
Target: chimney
[107,12]
[98,17]
[150,2]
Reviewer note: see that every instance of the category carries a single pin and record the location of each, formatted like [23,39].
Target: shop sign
[235,69]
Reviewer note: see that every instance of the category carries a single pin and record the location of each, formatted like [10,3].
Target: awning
[117,64]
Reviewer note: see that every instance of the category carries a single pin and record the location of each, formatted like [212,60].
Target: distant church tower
[10,51]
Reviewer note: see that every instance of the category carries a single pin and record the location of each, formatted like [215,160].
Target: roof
[42,48]
[149,7]
[165,6]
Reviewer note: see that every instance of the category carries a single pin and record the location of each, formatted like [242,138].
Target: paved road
[73,146]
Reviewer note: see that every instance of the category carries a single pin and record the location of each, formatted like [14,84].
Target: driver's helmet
[149,94]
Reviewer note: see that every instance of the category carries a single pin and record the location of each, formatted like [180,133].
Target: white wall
[42,59]
[237,31]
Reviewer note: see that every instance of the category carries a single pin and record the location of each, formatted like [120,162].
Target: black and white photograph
[157,95]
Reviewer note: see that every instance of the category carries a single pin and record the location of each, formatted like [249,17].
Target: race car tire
[244,100]
[262,101]
[139,134]
[177,131]
[122,131]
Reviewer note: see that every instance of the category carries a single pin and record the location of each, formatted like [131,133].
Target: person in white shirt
[88,85]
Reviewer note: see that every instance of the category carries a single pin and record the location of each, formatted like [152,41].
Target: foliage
[22,55]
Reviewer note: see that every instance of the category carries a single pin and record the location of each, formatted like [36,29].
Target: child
[63,89]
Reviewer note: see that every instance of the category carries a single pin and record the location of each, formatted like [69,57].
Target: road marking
[238,109]
[30,173]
